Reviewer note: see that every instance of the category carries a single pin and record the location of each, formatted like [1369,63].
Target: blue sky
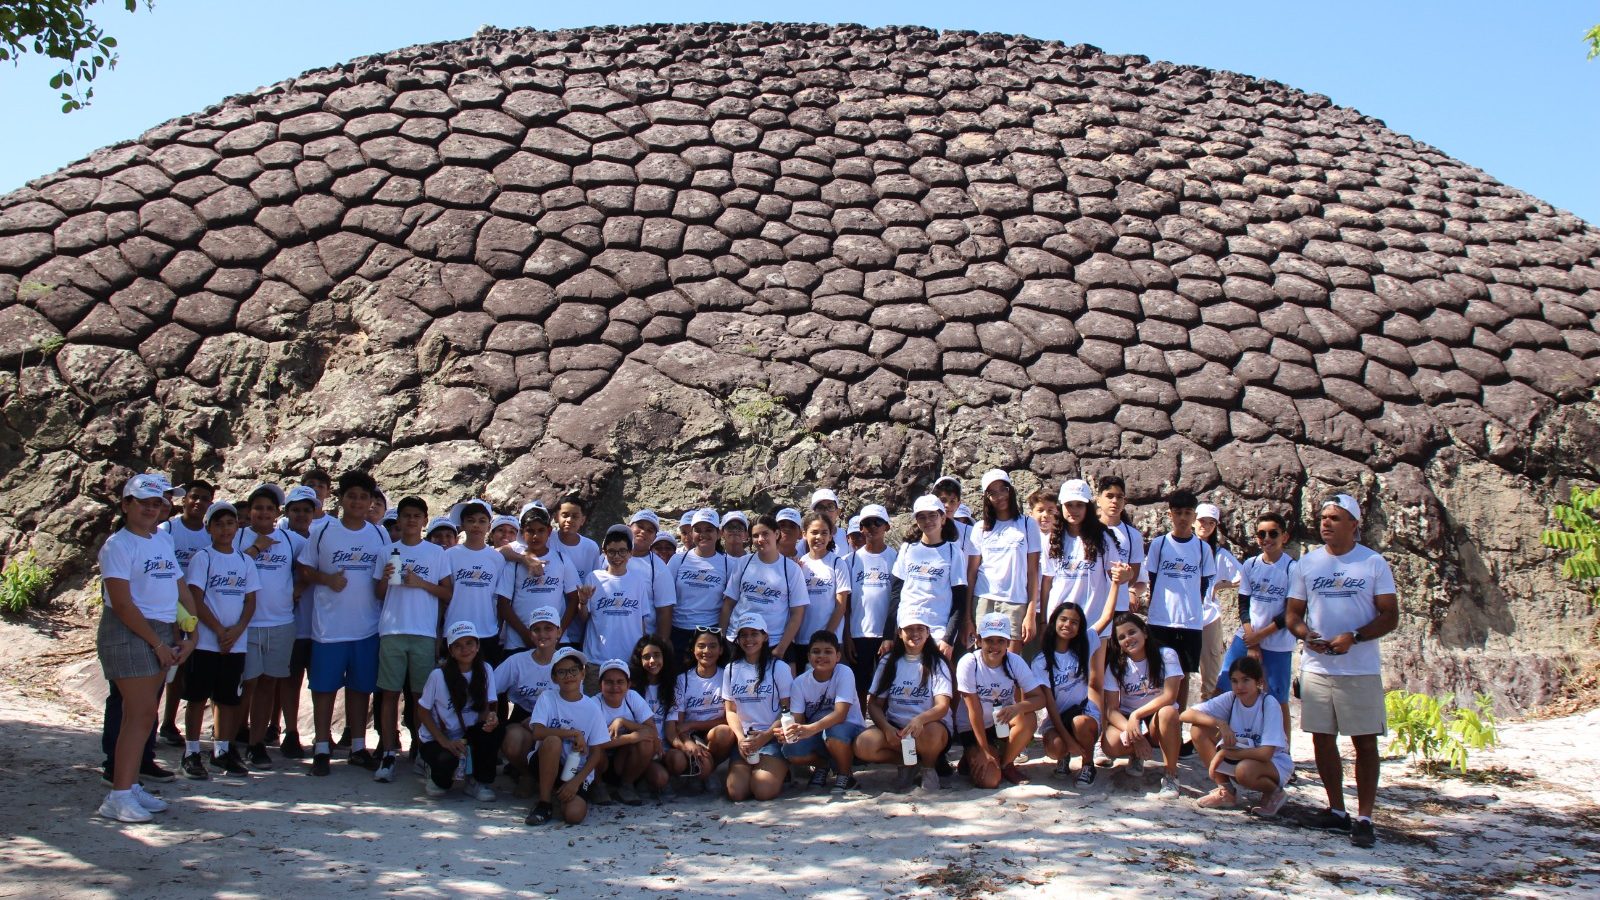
[1501,86]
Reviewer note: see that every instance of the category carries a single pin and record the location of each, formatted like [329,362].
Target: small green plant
[1580,537]
[1436,731]
[22,582]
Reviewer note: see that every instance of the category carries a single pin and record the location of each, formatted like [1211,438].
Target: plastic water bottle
[908,750]
[172,671]
[752,758]
[787,722]
[574,763]
[395,576]
[1002,729]
[464,767]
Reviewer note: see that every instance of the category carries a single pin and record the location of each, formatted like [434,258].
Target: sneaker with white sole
[930,781]
[1271,803]
[419,766]
[385,773]
[1169,788]
[1086,776]
[1135,766]
[433,789]
[480,792]
[148,800]
[124,808]
[1063,768]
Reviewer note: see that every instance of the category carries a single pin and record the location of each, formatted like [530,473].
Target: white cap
[274,490]
[438,522]
[544,614]
[788,514]
[459,630]
[733,515]
[541,512]
[951,480]
[1076,491]
[918,616]
[390,515]
[925,503]
[706,516]
[1346,503]
[665,537]
[748,620]
[686,519]
[531,504]
[821,494]
[613,665]
[875,511]
[854,527]
[568,653]
[993,475]
[497,521]
[646,515]
[150,486]
[459,511]
[220,506]
[1208,511]
[305,493]
[963,512]
[995,625]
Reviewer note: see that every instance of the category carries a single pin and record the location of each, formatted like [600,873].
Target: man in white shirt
[1341,601]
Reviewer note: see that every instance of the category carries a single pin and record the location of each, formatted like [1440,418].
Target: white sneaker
[385,771]
[481,792]
[433,789]
[148,800]
[420,766]
[124,809]
[1169,788]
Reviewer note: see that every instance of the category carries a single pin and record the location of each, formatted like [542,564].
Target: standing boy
[408,627]
[1180,568]
[223,583]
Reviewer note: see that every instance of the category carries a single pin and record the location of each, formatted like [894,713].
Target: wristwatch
[1355,637]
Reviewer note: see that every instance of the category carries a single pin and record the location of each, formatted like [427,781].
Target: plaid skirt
[124,654]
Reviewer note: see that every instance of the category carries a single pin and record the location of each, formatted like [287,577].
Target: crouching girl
[910,706]
[459,729]
[1240,737]
[755,689]
[1072,663]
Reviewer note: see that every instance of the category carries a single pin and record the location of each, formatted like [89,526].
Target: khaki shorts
[1016,612]
[405,661]
[1213,644]
[1351,705]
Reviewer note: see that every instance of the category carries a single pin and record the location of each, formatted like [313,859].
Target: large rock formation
[720,264]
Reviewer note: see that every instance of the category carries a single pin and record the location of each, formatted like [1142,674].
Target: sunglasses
[1268,535]
[708,629]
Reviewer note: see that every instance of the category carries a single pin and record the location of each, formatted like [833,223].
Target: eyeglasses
[617,551]
[1268,535]
[708,629]
[568,672]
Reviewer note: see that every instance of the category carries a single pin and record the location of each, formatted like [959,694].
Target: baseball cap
[568,653]
[875,511]
[221,506]
[925,503]
[788,514]
[439,522]
[460,510]
[1076,491]
[613,665]
[544,614]
[459,630]
[995,625]
[748,620]
[686,519]
[854,527]
[272,490]
[534,512]
[390,515]
[736,516]
[993,475]
[963,512]
[1346,503]
[646,515]
[1208,511]
[821,494]
[497,521]
[532,504]
[949,481]
[665,537]
[303,493]
[706,516]
[918,616]
[150,486]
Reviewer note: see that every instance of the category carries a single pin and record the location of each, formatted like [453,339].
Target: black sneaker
[242,736]
[229,762]
[344,738]
[819,777]
[540,814]
[290,748]
[364,759]
[150,770]
[1328,820]
[1362,833]
[194,768]
[272,733]
[1187,750]
[319,764]
[170,735]
[256,757]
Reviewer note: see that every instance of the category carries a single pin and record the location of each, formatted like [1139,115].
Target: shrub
[22,583]
[1436,731]
[1580,537]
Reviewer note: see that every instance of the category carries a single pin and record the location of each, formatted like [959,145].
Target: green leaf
[55,82]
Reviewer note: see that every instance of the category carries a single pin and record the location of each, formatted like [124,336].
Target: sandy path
[286,833]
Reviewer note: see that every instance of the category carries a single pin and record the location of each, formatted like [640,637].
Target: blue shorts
[352,665]
[814,746]
[1278,664]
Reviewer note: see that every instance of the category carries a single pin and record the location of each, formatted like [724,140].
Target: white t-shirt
[816,700]
[770,590]
[1136,689]
[872,577]
[1176,599]
[305,606]
[436,700]
[634,708]
[908,697]
[274,574]
[757,702]
[616,614]
[826,579]
[1125,545]
[350,614]
[149,567]
[662,591]
[1227,570]
[1340,594]
[528,592]
[700,582]
[658,712]
[927,575]
[584,557]
[993,686]
[520,679]
[552,711]
[1254,726]
[841,543]
[226,579]
[473,574]
[964,541]
[186,541]
[697,699]
[1267,586]
[1078,580]
[412,610]
[1003,551]
[1069,685]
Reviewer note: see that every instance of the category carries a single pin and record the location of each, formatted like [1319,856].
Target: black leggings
[865,663]
[484,747]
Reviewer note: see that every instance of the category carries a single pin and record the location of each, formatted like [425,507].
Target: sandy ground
[1528,827]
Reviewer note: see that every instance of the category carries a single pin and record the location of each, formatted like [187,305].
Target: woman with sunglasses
[1263,600]
[700,577]
[697,731]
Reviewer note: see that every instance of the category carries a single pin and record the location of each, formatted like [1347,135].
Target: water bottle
[395,577]
[752,758]
[908,750]
[172,671]
[574,763]
[1002,730]
[464,767]
[787,722]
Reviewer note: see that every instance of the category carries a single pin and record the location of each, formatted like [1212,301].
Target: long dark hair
[1092,534]
[930,657]
[1117,662]
[763,661]
[666,687]
[813,517]
[991,515]
[1078,646]
[466,695]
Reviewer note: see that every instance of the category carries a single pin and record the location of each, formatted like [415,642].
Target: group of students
[646,661]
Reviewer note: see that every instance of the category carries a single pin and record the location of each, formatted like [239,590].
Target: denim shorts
[814,745]
[1278,665]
